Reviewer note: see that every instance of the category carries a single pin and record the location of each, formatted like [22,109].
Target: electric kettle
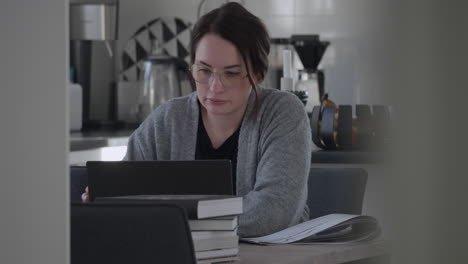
[164,77]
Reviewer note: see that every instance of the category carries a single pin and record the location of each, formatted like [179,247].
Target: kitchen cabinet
[80,157]
[105,145]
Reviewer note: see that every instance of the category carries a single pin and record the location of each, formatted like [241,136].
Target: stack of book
[214,228]
[213,221]
[215,239]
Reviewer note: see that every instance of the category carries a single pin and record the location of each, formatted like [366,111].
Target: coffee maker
[310,50]
[91,22]
[306,53]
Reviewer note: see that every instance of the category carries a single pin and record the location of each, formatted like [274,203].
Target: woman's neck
[221,127]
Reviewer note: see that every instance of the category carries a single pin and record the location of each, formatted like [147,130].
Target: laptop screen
[119,178]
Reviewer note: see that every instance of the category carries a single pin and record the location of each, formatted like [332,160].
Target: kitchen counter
[110,138]
[97,139]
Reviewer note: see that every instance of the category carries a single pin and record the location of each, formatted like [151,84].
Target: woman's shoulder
[169,114]
[175,106]
[271,99]
[181,102]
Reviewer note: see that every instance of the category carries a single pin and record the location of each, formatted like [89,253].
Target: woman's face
[223,87]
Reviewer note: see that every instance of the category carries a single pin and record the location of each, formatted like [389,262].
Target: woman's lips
[216,101]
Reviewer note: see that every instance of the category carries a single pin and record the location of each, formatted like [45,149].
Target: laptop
[123,178]
[129,233]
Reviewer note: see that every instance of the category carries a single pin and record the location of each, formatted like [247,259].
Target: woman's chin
[217,110]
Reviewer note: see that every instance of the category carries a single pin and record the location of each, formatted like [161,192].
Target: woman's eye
[205,71]
[232,74]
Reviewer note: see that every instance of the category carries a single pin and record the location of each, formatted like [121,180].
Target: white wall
[353,27]
[33,132]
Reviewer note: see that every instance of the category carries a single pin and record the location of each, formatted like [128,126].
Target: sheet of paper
[303,230]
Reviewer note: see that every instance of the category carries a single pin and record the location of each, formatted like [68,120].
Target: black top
[228,150]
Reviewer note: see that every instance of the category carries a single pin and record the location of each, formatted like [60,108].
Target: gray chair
[336,190]
[78,182]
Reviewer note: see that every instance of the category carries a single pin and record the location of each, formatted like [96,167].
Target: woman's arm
[142,143]
[279,195]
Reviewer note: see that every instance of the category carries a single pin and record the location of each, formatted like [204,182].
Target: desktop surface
[316,253]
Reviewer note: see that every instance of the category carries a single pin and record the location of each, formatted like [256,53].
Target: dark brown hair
[247,32]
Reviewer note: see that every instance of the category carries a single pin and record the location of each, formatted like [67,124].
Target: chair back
[130,233]
[336,190]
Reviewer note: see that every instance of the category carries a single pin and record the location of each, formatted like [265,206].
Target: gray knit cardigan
[273,162]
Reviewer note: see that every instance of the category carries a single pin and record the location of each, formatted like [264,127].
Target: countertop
[98,138]
[108,138]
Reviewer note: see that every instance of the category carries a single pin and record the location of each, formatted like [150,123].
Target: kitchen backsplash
[351,62]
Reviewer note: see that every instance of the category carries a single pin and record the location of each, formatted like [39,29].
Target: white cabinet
[114,153]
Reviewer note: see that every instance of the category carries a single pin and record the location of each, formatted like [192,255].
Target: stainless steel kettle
[164,77]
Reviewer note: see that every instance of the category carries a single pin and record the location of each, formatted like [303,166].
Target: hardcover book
[214,224]
[196,206]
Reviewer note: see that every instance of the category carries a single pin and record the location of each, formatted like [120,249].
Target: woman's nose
[216,84]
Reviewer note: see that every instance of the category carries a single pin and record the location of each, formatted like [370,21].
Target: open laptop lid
[129,233]
[118,178]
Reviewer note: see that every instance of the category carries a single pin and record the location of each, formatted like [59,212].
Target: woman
[264,132]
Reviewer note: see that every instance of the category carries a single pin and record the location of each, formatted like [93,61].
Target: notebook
[120,178]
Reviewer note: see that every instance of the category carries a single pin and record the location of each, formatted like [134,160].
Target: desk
[310,254]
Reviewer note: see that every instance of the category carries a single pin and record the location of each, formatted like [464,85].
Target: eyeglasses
[229,78]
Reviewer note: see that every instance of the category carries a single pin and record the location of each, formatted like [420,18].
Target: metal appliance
[90,21]
[164,77]
[307,52]
[310,50]
[275,61]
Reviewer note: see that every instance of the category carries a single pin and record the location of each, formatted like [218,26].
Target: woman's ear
[254,78]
